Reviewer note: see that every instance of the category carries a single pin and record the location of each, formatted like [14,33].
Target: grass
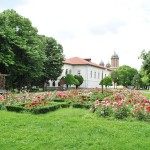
[146,93]
[70,129]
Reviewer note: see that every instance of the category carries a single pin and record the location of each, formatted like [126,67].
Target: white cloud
[93,28]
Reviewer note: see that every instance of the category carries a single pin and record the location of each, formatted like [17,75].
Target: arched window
[98,75]
[53,83]
[78,72]
[91,74]
[66,72]
[94,74]
[70,71]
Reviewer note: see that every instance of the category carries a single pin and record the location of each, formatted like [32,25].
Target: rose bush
[124,103]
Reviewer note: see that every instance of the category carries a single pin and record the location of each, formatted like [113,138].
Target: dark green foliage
[45,109]
[65,105]
[147,117]
[70,80]
[80,79]
[0,106]
[59,100]
[140,115]
[121,112]
[125,75]
[115,77]
[137,81]
[98,95]
[27,57]
[107,81]
[37,109]
[104,111]
[16,108]
[53,62]
[145,56]
[80,105]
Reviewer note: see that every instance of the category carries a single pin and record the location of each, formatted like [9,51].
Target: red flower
[148,109]
[39,96]
[83,99]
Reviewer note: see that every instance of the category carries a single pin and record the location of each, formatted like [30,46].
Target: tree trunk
[43,86]
[67,86]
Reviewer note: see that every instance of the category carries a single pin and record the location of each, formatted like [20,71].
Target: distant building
[91,72]
[114,61]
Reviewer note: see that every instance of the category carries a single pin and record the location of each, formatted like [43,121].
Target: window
[98,75]
[91,74]
[70,71]
[94,74]
[66,72]
[78,72]
[53,83]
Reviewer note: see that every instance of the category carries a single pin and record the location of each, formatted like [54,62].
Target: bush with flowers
[122,104]
[119,104]
[78,98]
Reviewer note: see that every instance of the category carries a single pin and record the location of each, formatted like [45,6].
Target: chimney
[88,59]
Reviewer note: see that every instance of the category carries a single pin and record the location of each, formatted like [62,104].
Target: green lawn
[146,93]
[70,129]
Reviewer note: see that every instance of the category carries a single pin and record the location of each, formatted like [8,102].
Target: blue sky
[9,4]
[91,28]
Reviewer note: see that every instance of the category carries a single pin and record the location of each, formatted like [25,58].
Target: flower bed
[49,101]
[118,104]
[122,104]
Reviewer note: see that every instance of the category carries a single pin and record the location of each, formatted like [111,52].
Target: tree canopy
[80,79]
[107,81]
[26,56]
[145,56]
[124,75]
[115,77]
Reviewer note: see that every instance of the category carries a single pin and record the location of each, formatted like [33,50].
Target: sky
[91,28]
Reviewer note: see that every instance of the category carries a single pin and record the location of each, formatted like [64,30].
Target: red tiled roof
[81,61]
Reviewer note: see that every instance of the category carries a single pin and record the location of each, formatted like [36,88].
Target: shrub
[44,109]
[121,112]
[65,105]
[59,100]
[16,108]
[140,115]
[81,105]
[147,117]
[0,106]
[104,111]
[78,105]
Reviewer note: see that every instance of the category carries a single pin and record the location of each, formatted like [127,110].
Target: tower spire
[114,61]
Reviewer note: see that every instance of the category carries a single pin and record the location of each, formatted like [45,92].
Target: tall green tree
[145,79]
[107,81]
[115,77]
[137,81]
[70,80]
[21,47]
[54,58]
[145,56]
[80,79]
[125,75]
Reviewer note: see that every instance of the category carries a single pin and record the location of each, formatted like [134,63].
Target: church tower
[114,61]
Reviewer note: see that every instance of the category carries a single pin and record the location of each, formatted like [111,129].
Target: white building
[92,73]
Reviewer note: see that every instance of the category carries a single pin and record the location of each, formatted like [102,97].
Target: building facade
[92,73]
